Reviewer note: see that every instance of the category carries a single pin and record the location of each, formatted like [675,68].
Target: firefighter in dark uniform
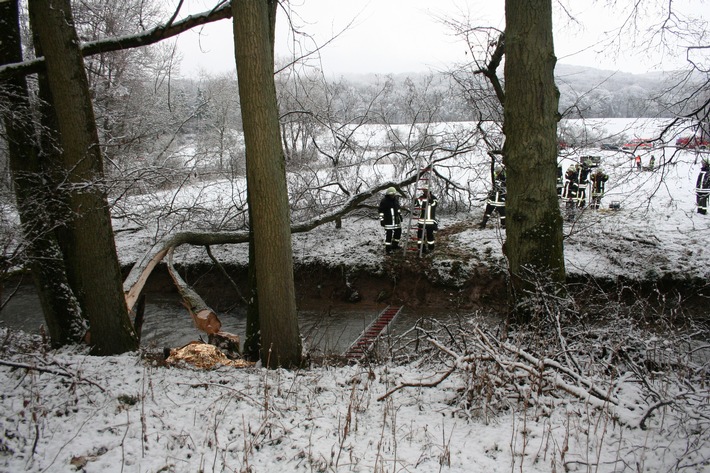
[702,188]
[571,189]
[391,219]
[598,179]
[496,198]
[582,181]
[427,224]
[560,181]
[576,187]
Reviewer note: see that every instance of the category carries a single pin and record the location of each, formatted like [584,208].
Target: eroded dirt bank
[407,281]
[317,286]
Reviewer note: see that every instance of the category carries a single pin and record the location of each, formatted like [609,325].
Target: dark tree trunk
[533,224]
[266,179]
[89,250]
[252,339]
[61,310]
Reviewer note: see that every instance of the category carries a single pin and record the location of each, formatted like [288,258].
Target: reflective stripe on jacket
[427,214]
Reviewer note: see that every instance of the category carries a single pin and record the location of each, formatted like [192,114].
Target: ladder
[412,238]
[367,338]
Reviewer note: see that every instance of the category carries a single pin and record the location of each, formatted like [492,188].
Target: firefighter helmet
[391,191]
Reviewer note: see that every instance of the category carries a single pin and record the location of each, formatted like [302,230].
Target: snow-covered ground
[125,413]
[656,232]
[130,414]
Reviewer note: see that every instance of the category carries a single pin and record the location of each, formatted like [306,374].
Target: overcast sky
[392,36]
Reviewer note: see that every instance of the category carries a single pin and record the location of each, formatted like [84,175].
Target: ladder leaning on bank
[412,237]
[364,343]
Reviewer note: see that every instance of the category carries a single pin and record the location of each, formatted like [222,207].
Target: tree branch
[431,384]
[134,282]
[490,71]
[147,38]
[40,369]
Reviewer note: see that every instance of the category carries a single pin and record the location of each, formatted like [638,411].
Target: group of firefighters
[572,187]
[578,178]
[391,219]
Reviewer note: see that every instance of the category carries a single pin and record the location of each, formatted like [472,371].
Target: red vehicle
[638,143]
[692,142]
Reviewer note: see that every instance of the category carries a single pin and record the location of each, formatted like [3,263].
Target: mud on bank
[441,285]
[400,281]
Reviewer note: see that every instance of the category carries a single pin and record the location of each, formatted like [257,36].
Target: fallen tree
[135,281]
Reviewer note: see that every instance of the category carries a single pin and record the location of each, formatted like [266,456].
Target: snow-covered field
[502,409]
[656,232]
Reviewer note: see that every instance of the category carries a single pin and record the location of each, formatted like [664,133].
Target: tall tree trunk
[252,338]
[59,306]
[89,250]
[266,178]
[534,224]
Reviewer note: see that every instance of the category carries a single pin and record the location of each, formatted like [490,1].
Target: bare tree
[89,250]
[30,182]
[534,225]
[266,179]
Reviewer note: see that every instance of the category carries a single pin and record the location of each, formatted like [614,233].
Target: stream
[167,323]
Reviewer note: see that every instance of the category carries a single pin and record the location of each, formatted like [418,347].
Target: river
[167,323]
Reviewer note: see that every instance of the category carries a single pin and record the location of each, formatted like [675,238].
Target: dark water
[167,323]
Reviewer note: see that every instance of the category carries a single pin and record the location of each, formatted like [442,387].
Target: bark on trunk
[533,221]
[266,178]
[59,306]
[89,249]
[252,338]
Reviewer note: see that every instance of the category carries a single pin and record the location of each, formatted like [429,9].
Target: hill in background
[585,92]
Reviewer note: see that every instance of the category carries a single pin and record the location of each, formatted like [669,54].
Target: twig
[418,385]
[546,362]
[649,411]
[123,441]
[12,293]
[242,395]
[225,273]
[143,422]
[48,370]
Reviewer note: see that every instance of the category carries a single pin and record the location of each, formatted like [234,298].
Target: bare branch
[152,36]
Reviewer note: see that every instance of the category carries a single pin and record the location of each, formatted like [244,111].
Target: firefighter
[496,198]
[560,181]
[598,179]
[582,181]
[571,189]
[702,188]
[391,219]
[427,224]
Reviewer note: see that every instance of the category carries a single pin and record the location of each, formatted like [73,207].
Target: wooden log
[205,320]
[203,316]
[133,285]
